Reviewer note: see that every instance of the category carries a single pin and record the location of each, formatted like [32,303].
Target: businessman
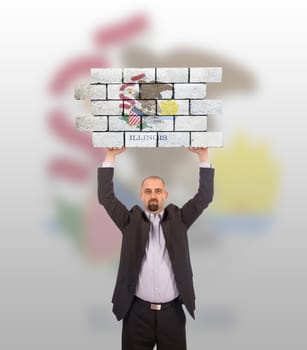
[155,275]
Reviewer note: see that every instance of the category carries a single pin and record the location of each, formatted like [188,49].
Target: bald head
[153,177]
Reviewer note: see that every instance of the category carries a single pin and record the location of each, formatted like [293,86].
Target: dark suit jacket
[134,226]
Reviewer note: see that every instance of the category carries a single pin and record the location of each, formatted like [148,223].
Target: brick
[156,91]
[117,123]
[106,108]
[123,91]
[131,75]
[207,139]
[92,123]
[205,75]
[158,123]
[147,107]
[169,105]
[195,123]
[174,139]
[141,139]
[173,107]
[192,91]
[90,92]
[201,107]
[106,75]
[172,75]
[108,139]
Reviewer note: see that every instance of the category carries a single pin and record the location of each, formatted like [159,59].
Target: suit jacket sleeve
[114,207]
[195,206]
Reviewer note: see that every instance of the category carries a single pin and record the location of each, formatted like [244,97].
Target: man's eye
[147,191]
[158,190]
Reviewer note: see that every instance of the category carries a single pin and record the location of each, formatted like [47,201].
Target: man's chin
[153,208]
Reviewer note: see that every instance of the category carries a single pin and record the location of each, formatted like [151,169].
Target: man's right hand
[112,152]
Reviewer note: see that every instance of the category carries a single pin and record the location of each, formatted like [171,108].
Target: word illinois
[150,137]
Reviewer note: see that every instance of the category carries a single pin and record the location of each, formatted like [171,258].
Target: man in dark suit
[155,275]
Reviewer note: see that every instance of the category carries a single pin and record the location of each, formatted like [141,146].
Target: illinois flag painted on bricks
[150,107]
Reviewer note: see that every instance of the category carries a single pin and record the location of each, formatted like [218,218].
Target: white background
[50,296]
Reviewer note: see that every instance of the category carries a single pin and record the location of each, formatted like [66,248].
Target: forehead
[153,183]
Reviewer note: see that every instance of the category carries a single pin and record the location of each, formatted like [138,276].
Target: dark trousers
[143,327]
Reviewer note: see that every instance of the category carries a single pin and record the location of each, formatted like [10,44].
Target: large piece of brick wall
[150,107]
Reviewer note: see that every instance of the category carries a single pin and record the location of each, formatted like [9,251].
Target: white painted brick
[106,108]
[92,123]
[106,75]
[117,123]
[158,123]
[201,107]
[172,116]
[131,73]
[173,107]
[90,92]
[128,92]
[205,75]
[140,139]
[174,139]
[195,123]
[192,91]
[173,75]
[216,139]
[166,95]
[108,139]
[207,139]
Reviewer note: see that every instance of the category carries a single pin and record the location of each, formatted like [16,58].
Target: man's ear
[166,194]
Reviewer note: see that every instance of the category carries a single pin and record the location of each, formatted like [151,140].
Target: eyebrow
[156,188]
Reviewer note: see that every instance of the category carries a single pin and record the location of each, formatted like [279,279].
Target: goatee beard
[153,206]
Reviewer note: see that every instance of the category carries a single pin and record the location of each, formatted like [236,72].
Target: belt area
[157,306]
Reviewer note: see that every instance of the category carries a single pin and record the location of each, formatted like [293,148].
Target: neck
[155,212]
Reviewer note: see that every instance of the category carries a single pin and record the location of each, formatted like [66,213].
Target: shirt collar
[160,214]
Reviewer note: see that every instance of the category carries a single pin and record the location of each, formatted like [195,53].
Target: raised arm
[112,153]
[115,208]
[195,206]
[202,152]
